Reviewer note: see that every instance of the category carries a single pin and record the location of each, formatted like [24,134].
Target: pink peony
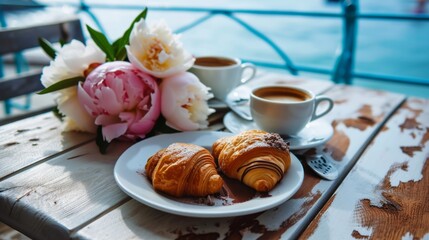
[123,100]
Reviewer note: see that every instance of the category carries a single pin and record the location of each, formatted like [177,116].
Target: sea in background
[387,47]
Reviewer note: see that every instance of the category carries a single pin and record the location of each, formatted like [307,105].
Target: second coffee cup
[286,110]
[222,74]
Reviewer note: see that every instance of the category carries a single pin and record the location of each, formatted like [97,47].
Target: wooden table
[56,185]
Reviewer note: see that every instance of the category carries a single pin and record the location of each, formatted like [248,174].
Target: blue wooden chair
[14,41]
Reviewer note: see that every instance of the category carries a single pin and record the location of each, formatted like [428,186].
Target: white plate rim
[126,172]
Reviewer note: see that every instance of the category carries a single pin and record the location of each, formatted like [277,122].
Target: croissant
[184,169]
[254,157]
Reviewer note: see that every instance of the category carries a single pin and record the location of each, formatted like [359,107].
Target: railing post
[343,71]
[350,24]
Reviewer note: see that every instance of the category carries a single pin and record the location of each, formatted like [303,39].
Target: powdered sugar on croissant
[255,157]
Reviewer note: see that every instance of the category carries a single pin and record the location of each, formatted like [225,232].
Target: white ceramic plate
[131,163]
[314,134]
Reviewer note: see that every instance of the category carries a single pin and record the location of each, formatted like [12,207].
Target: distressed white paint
[78,194]
[272,219]
[66,191]
[371,169]
[134,219]
[28,141]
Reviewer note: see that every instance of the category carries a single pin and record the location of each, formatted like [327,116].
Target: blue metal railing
[343,70]
[344,65]
[21,65]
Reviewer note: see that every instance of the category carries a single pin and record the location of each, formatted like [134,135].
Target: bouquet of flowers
[120,90]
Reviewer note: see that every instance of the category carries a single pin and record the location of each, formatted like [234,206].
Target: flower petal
[113,131]
[71,61]
[123,99]
[78,117]
[77,57]
[184,102]
[104,120]
[156,50]
[86,100]
[107,99]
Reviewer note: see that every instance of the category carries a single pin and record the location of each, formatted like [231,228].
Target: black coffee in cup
[285,109]
[214,62]
[282,95]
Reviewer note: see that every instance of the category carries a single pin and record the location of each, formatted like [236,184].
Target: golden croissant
[255,157]
[184,169]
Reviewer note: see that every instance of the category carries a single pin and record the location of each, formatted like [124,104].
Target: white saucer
[314,134]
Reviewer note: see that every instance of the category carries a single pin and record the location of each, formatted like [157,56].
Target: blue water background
[388,47]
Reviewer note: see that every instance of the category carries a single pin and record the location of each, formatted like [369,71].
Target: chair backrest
[17,39]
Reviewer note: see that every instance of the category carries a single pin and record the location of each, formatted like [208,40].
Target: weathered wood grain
[386,194]
[73,192]
[51,199]
[7,232]
[136,221]
[68,188]
[28,141]
[357,116]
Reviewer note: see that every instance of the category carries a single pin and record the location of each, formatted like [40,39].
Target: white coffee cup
[222,74]
[286,110]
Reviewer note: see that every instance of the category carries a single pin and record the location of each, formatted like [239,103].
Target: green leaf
[102,43]
[47,47]
[69,82]
[119,44]
[62,42]
[119,49]
[101,143]
[58,114]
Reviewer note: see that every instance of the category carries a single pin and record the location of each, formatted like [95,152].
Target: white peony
[184,102]
[157,51]
[73,60]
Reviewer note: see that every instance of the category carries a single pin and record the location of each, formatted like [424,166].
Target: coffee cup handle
[318,100]
[250,66]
